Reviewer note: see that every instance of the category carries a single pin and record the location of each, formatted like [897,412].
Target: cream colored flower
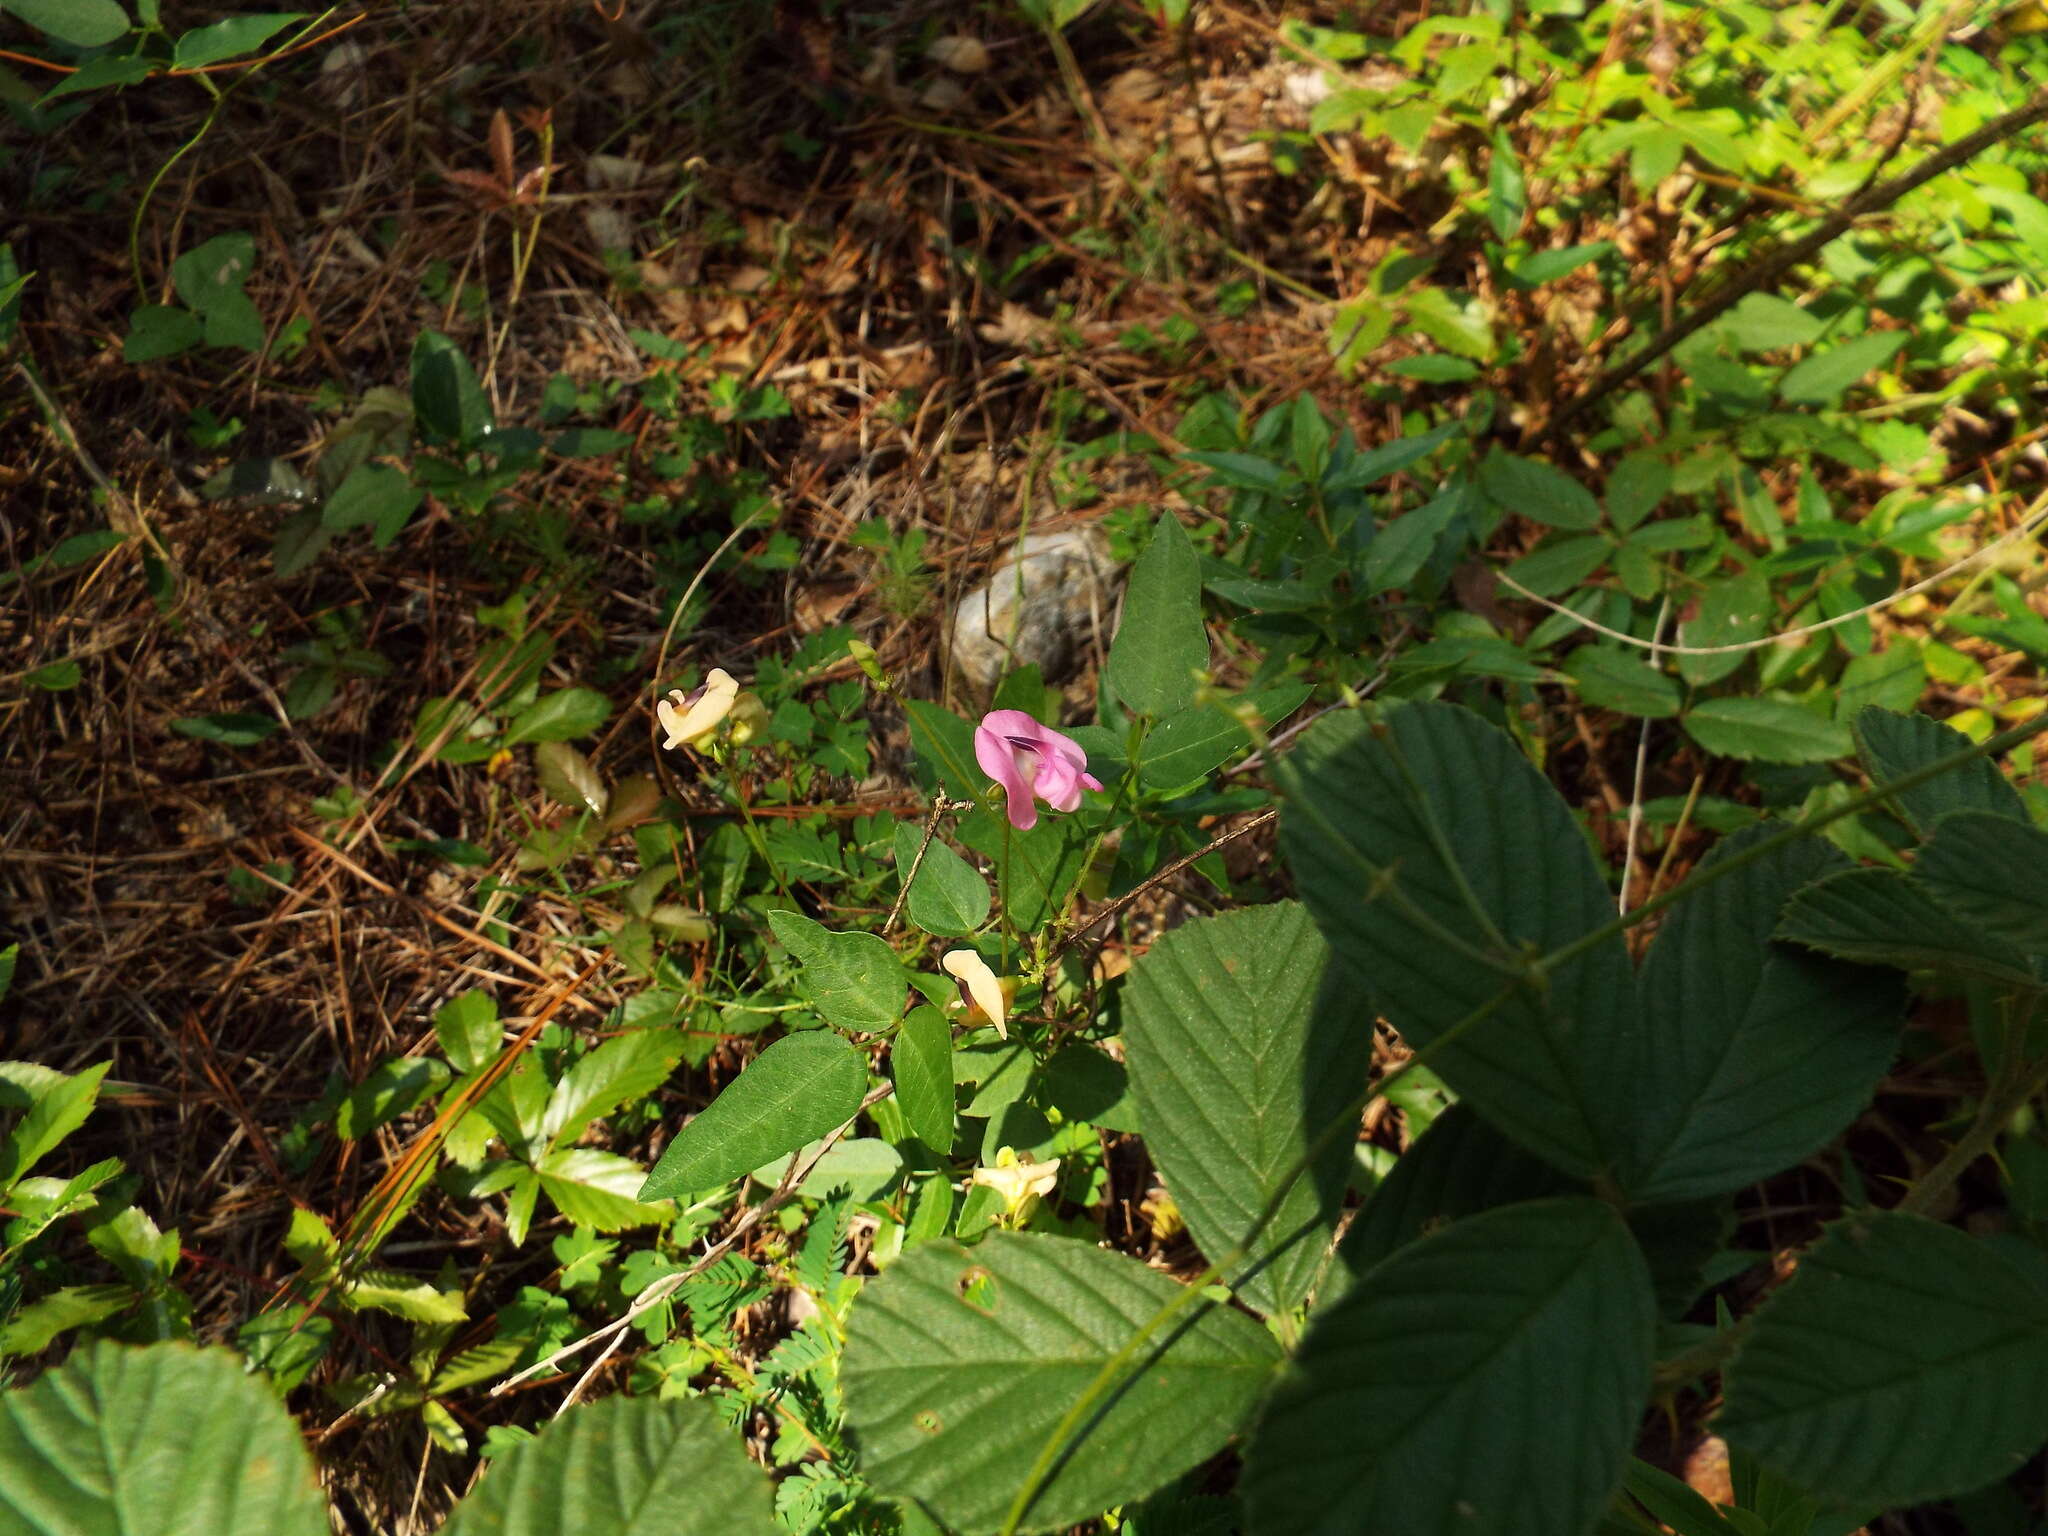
[692,716]
[1019,1180]
[979,987]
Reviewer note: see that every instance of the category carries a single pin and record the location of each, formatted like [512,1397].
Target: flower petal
[688,716]
[980,986]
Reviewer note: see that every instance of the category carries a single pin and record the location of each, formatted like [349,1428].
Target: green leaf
[1764,322]
[1892,678]
[596,1189]
[1892,746]
[960,1363]
[407,1296]
[210,277]
[446,398]
[1991,872]
[1637,487]
[1904,1360]
[1507,194]
[1610,677]
[1753,1054]
[163,1441]
[563,715]
[1487,1380]
[802,1087]
[1549,266]
[1535,490]
[1733,610]
[1877,917]
[853,979]
[56,1107]
[388,1092]
[39,1324]
[626,1466]
[1823,378]
[1187,744]
[949,897]
[57,677]
[921,1066]
[568,778]
[1235,1069]
[621,1071]
[1037,870]
[160,330]
[81,23]
[225,39]
[1562,563]
[9,957]
[1770,730]
[946,742]
[1364,848]
[230,730]
[1399,549]
[376,496]
[1160,643]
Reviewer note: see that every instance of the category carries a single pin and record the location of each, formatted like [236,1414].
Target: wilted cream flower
[979,987]
[1019,1180]
[691,716]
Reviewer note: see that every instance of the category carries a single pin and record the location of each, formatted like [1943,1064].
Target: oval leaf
[853,979]
[949,897]
[1487,1380]
[802,1087]
[99,1446]
[1893,745]
[960,1363]
[1235,1070]
[921,1064]
[627,1467]
[1904,1360]
[1991,872]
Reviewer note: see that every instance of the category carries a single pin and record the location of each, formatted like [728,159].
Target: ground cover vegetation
[1491,983]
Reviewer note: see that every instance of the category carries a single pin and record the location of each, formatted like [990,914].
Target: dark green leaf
[1488,1379]
[375,496]
[160,330]
[1507,194]
[1986,869]
[1640,483]
[1903,1361]
[1878,917]
[1357,836]
[1891,746]
[1561,563]
[960,1362]
[1549,266]
[1186,745]
[446,398]
[1160,643]
[1235,1070]
[1733,610]
[1400,548]
[799,1089]
[1037,869]
[945,743]
[1752,1054]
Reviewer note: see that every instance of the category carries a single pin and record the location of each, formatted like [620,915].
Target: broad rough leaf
[626,1466]
[165,1440]
[960,1363]
[853,979]
[921,1066]
[1904,1360]
[1990,872]
[1765,730]
[1892,745]
[1235,1069]
[802,1087]
[1487,1380]
[1356,834]
[1751,1054]
[1878,917]
[1160,642]
[949,897]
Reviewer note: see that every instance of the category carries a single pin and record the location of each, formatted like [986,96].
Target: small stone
[1044,604]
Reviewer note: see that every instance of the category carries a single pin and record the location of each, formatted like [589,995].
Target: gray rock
[1045,602]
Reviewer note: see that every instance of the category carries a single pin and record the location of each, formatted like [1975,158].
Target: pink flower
[1031,761]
